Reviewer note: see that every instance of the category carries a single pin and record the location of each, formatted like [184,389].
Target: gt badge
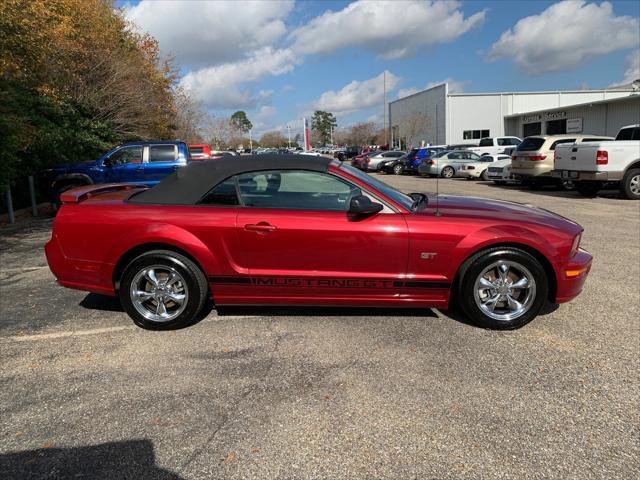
[427,255]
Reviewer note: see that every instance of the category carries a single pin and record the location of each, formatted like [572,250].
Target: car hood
[496,210]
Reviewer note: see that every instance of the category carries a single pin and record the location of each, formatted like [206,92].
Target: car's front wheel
[502,288]
[398,169]
[162,290]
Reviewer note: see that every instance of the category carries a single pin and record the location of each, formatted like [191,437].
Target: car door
[162,161]
[124,165]
[298,241]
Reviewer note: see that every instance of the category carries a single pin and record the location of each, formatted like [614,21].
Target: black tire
[484,176]
[630,184]
[587,188]
[398,169]
[447,172]
[195,285]
[472,269]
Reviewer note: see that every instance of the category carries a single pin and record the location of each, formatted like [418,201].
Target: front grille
[495,170]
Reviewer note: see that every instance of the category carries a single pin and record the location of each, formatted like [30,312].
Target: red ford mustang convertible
[301,230]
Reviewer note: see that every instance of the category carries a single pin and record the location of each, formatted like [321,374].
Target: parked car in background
[215,155]
[410,162]
[360,160]
[479,169]
[200,152]
[138,162]
[348,153]
[500,171]
[496,145]
[445,164]
[592,164]
[532,162]
[376,162]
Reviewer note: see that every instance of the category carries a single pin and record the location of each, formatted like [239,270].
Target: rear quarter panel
[99,234]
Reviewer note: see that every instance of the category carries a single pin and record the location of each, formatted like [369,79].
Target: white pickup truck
[496,145]
[592,164]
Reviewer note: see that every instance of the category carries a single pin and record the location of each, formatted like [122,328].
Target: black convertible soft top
[189,184]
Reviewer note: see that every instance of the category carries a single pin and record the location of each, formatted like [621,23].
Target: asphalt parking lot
[326,393]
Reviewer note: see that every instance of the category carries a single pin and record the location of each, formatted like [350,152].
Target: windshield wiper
[418,198]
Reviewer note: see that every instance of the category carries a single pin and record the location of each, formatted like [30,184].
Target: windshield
[397,196]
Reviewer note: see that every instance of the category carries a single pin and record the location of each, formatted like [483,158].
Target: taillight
[513,157]
[432,162]
[602,157]
[576,244]
[537,158]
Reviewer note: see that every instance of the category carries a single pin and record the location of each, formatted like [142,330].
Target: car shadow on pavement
[127,459]
[93,301]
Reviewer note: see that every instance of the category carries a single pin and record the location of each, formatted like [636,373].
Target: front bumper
[572,276]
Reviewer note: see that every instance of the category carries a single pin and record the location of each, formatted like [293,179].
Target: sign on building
[574,125]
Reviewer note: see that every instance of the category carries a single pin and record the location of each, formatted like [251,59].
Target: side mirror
[362,205]
[107,162]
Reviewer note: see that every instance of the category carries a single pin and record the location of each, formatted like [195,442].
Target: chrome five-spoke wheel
[159,293]
[505,290]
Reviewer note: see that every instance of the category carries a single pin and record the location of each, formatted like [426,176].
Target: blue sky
[280,60]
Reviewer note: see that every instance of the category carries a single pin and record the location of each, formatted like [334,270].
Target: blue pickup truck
[139,162]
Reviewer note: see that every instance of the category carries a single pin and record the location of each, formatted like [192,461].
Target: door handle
[139,168]
[260,227]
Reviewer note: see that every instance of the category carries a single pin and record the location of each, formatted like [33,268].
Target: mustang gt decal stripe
[326,282]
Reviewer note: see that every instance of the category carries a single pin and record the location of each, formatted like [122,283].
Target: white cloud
[405,92]
[632,69]
[221,86]
[356,95]
[566,35]
[455,86]
[203,34]
[287,88]
[392,29]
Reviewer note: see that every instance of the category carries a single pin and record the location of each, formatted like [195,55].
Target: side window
[454,156]
[503,141]
[486,142]
[126,155]
[223,194]
[295,190]
[162,153]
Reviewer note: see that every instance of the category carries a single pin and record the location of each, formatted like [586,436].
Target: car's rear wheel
[398,169]
[448,172]
[587,188]
[503,288]
[630,185]
[162,289]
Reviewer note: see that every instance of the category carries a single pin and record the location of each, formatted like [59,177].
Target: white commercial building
[437,117]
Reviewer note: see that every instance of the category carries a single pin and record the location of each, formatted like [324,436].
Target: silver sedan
[446,164]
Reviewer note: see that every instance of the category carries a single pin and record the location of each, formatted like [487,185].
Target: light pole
[250,141]
[331,136]
[289,135]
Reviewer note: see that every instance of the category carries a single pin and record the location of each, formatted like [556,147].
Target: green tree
[240,121]
[322,123]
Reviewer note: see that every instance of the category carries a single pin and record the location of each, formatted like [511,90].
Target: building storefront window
[474,134]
